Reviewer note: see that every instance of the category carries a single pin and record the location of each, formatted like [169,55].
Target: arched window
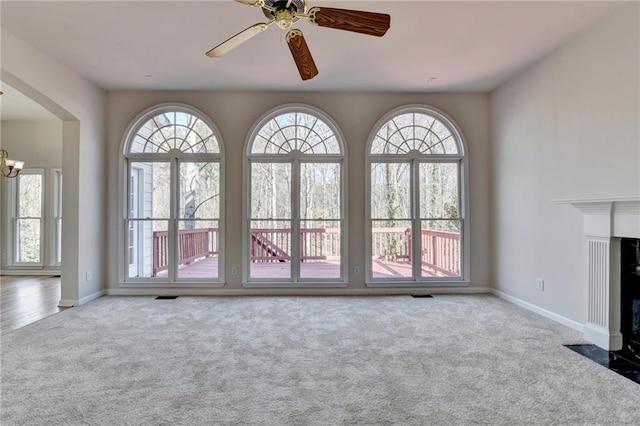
[294,229]
[173,167]
[416,163]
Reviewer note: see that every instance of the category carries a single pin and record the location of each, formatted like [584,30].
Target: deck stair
[269,250]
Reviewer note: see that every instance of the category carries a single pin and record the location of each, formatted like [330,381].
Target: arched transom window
[416,217]
[295,180]
[414,131]
[173,166]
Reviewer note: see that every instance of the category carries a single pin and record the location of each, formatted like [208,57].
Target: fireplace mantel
[609,217]
[606,220]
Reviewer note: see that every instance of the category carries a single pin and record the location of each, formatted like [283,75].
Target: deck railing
[193,244]
[440,249]
[274,245]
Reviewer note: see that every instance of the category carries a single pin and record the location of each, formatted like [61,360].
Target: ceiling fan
[284,13]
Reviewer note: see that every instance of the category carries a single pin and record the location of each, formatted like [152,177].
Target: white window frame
[56,217]
[14,214]
[174,159]
[415,159]
[295,158]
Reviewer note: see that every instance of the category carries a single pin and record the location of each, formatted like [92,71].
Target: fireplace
[630,295]
[610,225]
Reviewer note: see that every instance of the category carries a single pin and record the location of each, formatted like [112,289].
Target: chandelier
[8,166]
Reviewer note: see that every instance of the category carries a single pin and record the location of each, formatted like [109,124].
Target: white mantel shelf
[606,220]
[579,201]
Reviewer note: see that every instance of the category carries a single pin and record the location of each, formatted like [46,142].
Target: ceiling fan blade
[236,40]
[301,54]
[249,2]
[370,23]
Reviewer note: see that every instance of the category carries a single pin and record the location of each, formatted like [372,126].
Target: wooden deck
[319,253]
[208,268]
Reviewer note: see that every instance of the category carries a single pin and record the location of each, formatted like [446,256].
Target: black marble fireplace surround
[617,361]
[625,362]
[630,296]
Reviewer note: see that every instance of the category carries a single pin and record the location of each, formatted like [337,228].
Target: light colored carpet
[450,360]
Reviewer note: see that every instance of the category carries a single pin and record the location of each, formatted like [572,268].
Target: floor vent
[166,297]
[421,295]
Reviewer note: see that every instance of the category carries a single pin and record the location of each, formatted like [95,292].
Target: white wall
[80,105]
[39,144]
[234,113]
[569,127]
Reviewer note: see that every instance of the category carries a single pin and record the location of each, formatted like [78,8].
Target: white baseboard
[540,311]
[67,303]
[294,291]
[93,296]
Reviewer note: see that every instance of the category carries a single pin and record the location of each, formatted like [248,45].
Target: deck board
[324,269]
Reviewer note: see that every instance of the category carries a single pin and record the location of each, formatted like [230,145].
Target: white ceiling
[16,106]
[431,46]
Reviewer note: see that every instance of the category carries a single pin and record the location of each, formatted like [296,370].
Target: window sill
[417,284]
[325,284]
[178,284]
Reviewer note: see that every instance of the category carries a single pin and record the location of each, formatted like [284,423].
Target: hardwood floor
[27,299]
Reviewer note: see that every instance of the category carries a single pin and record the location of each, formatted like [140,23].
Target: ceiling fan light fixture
[284,13]
[9,167]
[272,7]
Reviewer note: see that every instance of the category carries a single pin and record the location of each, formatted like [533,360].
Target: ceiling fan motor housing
[296,6]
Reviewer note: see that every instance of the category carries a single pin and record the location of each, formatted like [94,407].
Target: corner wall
[569,127]
[81,106]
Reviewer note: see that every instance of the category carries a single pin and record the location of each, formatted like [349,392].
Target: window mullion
[173,221]
[295,220]
[416,254]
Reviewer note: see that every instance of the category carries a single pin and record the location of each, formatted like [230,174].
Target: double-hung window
[416,229]
[294,225]
[173,216]
[28,223]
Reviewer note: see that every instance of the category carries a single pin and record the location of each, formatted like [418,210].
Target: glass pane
[199,190]
[198,249]
[391,249]
[270,249]
[28,240]
[320,249]
[441,248]
[271,190]
[58,239]
[151,190]
[58,184]
[439,190]
[390,191]
[30,195]
[320,191]
[148,248]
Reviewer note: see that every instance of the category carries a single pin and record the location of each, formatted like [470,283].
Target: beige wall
[567,128]
[38,143]
[234,113]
